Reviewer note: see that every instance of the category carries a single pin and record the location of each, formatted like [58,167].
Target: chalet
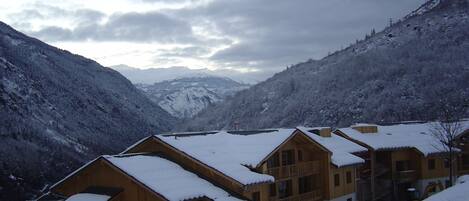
[146,176]
[277,164]
[400,158]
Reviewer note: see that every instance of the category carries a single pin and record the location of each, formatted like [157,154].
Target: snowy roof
[88,197]
[458,192]
[409,135]
[340,147]
[167,178]
[232,153]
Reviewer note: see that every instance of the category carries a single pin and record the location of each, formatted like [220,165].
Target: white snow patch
[168,178]
[14,42]
[230,153]
[458,192]
[88,197]
[413,135]
[424,8]
[340,147]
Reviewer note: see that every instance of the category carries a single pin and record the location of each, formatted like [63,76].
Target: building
[277,164]
[463,161]
[145,176]
[400,158]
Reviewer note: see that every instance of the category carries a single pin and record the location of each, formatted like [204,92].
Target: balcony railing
[300,169]
[310,196]
[407,175]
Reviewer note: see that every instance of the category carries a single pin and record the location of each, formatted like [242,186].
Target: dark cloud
[262,34]
[136,27]
[273,34]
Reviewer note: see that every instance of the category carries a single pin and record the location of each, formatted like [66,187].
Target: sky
[258,37]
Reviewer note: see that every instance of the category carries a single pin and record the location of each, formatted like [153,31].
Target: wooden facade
[305,175]
[301,167]
[388,173]
[102,173]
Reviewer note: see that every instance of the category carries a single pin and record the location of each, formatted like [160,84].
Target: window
[402,165]
[288,157]
[285,189]
[305,184]
[273,161]
[336,180]
[446,163]
[300,155]
[465,160]
[273,190]
[431,164]
[256,196]
[349,177]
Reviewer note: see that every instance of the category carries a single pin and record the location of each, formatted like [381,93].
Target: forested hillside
[405,72]
[58,110]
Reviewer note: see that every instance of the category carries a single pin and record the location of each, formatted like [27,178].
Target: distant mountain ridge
[153,75]
[185,97]
[405,72]
[58,110]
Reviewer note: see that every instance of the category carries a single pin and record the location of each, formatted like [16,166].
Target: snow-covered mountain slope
[408,71]
[58,110]
[185,97]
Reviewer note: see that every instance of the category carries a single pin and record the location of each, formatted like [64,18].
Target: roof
[458,192]
[167,178]
[408,135]
[232,153]
[340,147]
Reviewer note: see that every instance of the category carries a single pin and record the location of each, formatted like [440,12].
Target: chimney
[323,131]
[366,128]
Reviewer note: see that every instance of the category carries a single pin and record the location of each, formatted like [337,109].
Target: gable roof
[161,176]
[231,153]
[405,135]
[340,148]
[167,178]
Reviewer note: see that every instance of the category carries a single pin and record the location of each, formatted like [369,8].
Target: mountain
[185,97]
[153,75]
[408,71]
[58,109]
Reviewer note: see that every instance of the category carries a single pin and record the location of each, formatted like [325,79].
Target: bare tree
[446,132]
[447,129]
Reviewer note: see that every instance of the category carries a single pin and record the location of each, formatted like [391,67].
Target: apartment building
[403,161]
[276,164]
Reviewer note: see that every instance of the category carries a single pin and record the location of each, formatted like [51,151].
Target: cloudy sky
[251,36]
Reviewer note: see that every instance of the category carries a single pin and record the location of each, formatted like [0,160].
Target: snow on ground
[88,197]
[340,147]
[168,178]
[458,192]
[412,135]
[230,153]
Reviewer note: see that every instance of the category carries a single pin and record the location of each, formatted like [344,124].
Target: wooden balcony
[406,175]
[310,196]
[300,169]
